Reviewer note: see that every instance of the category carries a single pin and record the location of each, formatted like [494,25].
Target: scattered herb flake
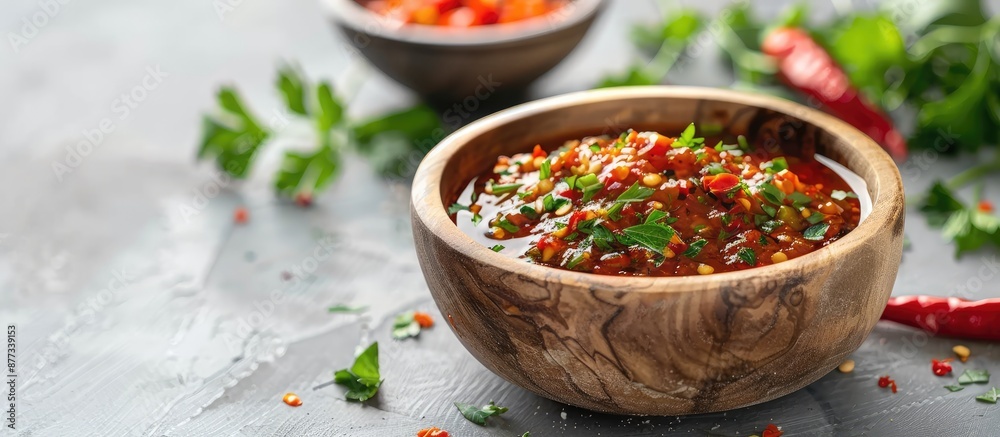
[362,379]
[479,415]
[815,232]
[970,376]
[747,255]
[695,248]
[954,388]
[497,247]
[346,309]
[990,396]
[456,207]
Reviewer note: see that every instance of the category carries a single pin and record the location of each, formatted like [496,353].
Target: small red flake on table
[304,199]
[240,215]
[432,432]
[771,431]
[941,367]
[292,399]
[985,206]
[423,319]
[885,381]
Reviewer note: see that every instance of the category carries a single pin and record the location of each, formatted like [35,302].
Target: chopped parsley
[695,248]
[545,171]
[497,247]
[816,232]
[635,193]
[687,139]
[990,396]
[456,207]
[971,376]
[362,379]
[507,226]
[654,237]
[747,255]
[479,415]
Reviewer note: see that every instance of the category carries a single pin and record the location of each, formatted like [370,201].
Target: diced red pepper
[720,184]
[941,367]
[771,431]
[575,220]
[538,152]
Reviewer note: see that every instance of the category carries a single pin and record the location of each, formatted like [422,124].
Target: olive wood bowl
[659,345]
[447,65]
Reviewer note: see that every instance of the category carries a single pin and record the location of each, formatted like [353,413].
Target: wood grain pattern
[662,346]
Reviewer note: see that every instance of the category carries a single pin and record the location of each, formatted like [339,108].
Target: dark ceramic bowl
[449,65]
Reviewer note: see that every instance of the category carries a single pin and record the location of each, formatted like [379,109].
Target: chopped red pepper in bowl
[649,204]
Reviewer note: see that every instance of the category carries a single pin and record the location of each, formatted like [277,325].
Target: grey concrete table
[142,310]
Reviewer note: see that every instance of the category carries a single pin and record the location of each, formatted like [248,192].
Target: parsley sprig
[363,378]
[478,415]
[233,136]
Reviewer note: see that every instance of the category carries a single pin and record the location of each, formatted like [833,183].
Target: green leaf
[990,396]
[687,139]
[346,309]
[635,193]
[816,232]
[404,326]
[394,143]
[695,248]
[974,376]
[551,203]
[507,226]
[655,217]
[363,379]
[954,388]
[654,237]
[545,171]
[747,255]
[456,207]
[476,218]
[636,75]
[503,189]
[771,194]
[232,138]
[331,112]
[770,225]
[775,165]
[479,415]
[799,199]
[307,172]
[939,203]
[293,89]
[497,248]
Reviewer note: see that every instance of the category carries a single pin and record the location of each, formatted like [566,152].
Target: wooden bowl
[667,345]
[450,65]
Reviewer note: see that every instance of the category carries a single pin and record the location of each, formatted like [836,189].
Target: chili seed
[962,352]
[846,367]
[705,269]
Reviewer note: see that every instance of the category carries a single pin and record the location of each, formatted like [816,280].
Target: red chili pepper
[885,381]
[941,367]
[771,431]
[806,66]
[947,316]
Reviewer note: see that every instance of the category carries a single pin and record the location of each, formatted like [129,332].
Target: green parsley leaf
[635,193]
[990,396]
[770,210]
[800,200]
[479,415]
[815,217]
[687,139]
[362,379]
[405,326]
[974,376]
[655,217]
[695,248]
[307,172]
[524,194]
[954,388]
[293,89]
[497,248]
[456,207]
[747,255]
[476,218]
[233,137]
[654,237]
[331,111]
[346,309]
[545,171]
[816,232]
[551,203]
[770,225]
[771,194]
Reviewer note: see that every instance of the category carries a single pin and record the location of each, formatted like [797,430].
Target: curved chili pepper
[805,66]
[947,316]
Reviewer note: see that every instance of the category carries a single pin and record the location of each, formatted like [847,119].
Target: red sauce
[645,204]
[462,13]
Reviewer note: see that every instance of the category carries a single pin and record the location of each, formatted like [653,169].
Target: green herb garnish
[362,379]
[503,189]
[771,194]
[497,247]
[776,165]
[816,232]
[456,207]
[654,237]
[507,226]
[971,376]
[346,309]
[635,193]
[841,195]
[695,248]
[747,255]
[954,388]
[687,139]
[405,326]
[479,415]
[990,396]
[545,171]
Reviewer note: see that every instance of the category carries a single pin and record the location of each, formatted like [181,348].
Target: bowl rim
[428,207]
[351,14]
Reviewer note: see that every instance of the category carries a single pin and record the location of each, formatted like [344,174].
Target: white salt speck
[563,415]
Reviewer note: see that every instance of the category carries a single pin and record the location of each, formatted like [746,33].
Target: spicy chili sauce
[461,13]
[647,204]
